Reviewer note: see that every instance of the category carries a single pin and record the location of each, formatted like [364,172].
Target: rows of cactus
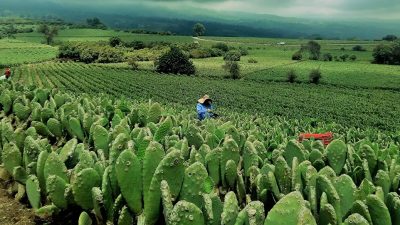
[121,162]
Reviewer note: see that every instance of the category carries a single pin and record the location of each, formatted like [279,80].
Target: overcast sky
[358,9]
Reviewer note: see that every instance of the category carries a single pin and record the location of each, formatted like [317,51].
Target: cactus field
[97,159]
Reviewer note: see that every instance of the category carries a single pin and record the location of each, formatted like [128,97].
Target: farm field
[106,143]
[346,106]
[15,52]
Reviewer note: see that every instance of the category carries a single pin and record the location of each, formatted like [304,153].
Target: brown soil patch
[13,212]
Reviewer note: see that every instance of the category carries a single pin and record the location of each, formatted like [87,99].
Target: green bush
[315,76]
[232,56]
[222,46]
[174,61]
[359,48]
[233,69]
[291,76]
[327,57]
[297,56]
[252,60]
[133,63]
[344,57]
[353,58]
[114,41]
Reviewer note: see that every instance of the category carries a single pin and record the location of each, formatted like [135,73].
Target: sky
[342,9]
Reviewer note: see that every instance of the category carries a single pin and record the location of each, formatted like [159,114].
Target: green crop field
[15,52]
[100,143]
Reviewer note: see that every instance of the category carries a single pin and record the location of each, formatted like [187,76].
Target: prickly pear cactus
[82,186]
[54,166]
[231,209]
[163,130]
[11,157]
[129,171]
[56,189]
[379,212]
[101,138]
[336,153]
[84,219]
[355,219]
[170,169]
[291,209]
[192,189]
[186,213]
[33,191]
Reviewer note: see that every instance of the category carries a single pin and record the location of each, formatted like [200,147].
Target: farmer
[7,74]
[205,108]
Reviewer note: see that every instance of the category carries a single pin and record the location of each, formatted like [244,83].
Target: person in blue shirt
[205,108]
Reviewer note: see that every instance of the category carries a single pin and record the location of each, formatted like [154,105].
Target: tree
[359,48]
[114,41]
[353,58]
[95,23]
[49,32]
[297,56]
[174,61]
[232,56]
[382,54]
[390,37]
[233,69]
[291,76]
[327,57]
[313,48]
[315,76]
[10,31]
[199,29]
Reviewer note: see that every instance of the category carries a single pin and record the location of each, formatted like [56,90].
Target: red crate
[325,138]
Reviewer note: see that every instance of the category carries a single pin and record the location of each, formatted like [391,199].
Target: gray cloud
[304,8]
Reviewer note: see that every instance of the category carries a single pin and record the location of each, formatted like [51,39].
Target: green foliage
[199,29]
[297,56]
[315,76]
[384,54]
[175,62]
[291,76]
[114,41]
[233,55]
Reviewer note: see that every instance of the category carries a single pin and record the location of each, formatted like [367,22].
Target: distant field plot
[102,35]
[350,74]
[14,52]
[345,106]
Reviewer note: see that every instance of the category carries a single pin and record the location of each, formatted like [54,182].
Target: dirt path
[13,212]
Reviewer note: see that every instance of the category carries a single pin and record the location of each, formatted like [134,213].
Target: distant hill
[217,23]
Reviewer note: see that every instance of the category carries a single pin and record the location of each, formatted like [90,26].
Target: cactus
[163,130]
[355,219]
[170,169]
[393,204]
[230,151]
[129,171]
[68,150]
[369,154]
[55,127]
[154,113]
[382,179]
[75,128]
[82,185]
[21,111]
[107,193]
[250,157]
[213,159]
[291,209]
[153,156]
[54,166]
[42,129]
[336,153]
[294,149]
[325,185]
[32,150]
[327,215]
[231,209]
[283,175]
[192,188]
[125,217]
[230,173]
[186,213]
[347,192]
[11,157]
[33,191]
[99,208]
[55,187]
[166,201]
[379,212]
[20,174]
[84,219]
[359,207]
[101,138]
[46,212]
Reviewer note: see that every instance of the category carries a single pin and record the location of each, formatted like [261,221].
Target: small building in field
[281,43]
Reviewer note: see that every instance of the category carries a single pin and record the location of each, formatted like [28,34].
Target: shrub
[291,76]
[174,61]
[133,63]
[313,48]
[342,49]
[297,56]
[137,45]
[359,48]
[384,54]
[336,58]
[88,55]
[224,47]
[390,37]
[252,60]
[114,41]
[110,55]
[68,51]
[243,51]
[353,58]
[315,76]
[200,53]
[327,57]
[232,56]
[233,68]
[344,57]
